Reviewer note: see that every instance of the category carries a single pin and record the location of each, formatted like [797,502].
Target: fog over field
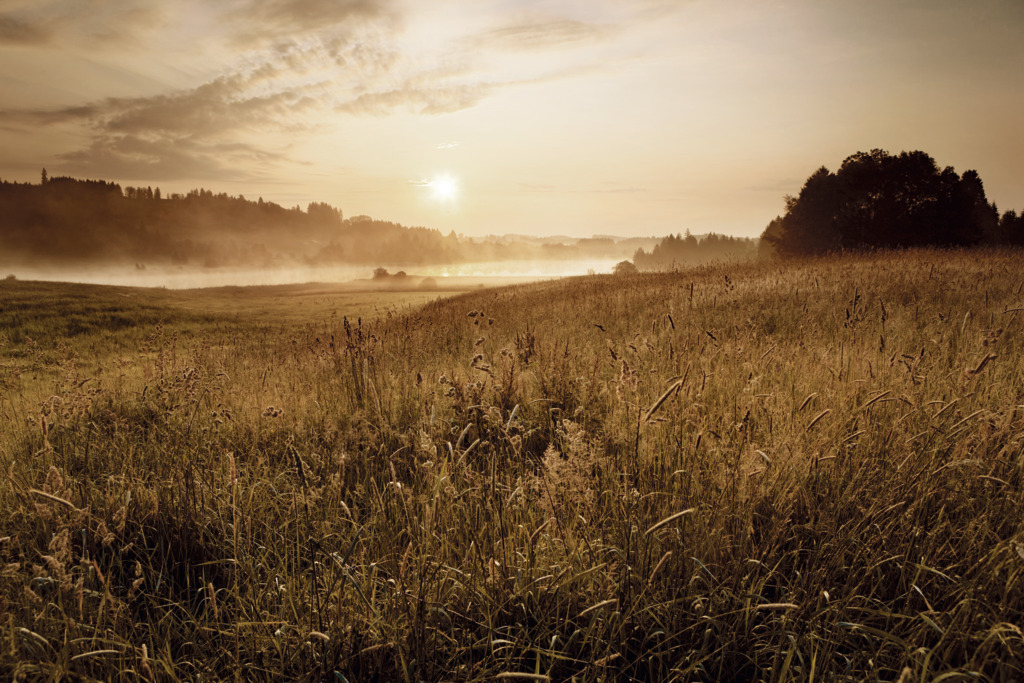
[445,276]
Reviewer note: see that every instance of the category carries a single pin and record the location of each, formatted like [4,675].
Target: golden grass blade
[876,398]
[668,392]
[971,372]
[94,653]
[668,520]
[817,418]
[519,675]
[34,636]
[603,603]
[967,419]
[54,499]
[806,401]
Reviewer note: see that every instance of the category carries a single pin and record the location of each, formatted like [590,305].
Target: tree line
[67,221]
[880,200]
[680,251]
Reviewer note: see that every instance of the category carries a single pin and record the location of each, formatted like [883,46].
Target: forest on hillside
[680,251]
[64,221]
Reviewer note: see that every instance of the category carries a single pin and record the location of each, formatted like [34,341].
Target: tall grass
[805,471]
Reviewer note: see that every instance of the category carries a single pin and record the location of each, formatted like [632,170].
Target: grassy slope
[479,487]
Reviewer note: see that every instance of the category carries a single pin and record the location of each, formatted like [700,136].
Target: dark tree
[1010,230]
[624,268]
[877,200]
[809,225]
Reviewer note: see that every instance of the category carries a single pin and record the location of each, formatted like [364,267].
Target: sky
[557,117]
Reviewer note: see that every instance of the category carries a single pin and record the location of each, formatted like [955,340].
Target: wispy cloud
[256,20]
[22,120]
[540,33]
[198,132]
[87,21]
[221,106]
[311,14]
[294,65]
[215,108]
[162,159]
[16,31]
[417,97]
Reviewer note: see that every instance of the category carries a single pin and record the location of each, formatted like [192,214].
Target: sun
[445,187]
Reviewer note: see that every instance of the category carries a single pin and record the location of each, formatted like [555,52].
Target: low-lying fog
[182,277]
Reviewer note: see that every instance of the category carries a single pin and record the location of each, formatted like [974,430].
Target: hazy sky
[631,117]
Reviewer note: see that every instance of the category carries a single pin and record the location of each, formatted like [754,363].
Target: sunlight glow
[445,188]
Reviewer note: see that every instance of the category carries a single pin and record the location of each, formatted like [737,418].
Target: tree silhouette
[877,200]
[624,268]
[1010,230]
[678,251]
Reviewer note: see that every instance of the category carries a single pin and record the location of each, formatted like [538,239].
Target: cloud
[94,22]
[243,23]
[260,20]
[447,145]
[218,107]
[24,119]
[161,159]
[300,62]
[206,131]
[432,92]
[442,100]
[364,58]
[457,85]
[309,14]
[540,34]
[284,89]
[18,32]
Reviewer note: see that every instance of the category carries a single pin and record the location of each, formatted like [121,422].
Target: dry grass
[503,485]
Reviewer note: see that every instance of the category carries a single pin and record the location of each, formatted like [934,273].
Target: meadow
[807,470]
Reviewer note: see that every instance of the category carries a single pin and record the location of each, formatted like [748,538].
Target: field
[766,471]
